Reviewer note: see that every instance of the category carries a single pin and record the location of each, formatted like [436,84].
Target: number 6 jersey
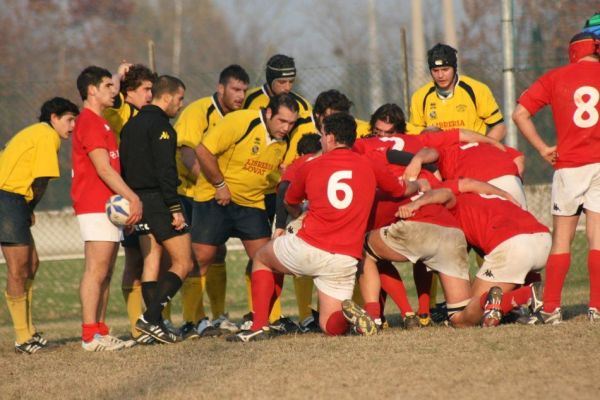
[340,188]
[573,91]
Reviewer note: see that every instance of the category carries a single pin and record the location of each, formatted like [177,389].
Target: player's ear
[221,89]
[268,113]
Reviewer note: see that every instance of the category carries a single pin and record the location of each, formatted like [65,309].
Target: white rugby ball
[117,209]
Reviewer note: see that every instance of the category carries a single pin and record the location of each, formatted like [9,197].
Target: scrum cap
[583,44]
[441,55]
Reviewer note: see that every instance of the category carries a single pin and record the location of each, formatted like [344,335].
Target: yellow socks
[216,288]
[303,286]
[17,306]
[192,291]
[134,304]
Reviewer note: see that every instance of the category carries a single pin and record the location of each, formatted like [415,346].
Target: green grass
[56,294]
[500,363]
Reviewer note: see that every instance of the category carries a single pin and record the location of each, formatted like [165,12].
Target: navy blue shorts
[157,218]
[213,224]
[15,218]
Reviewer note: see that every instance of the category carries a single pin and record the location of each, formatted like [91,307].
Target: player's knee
[369,251]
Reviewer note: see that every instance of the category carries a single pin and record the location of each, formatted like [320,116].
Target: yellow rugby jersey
[246,156]
[258,98]
[193,122]
[32,153]
[471,106]
[307,125]
[118,115]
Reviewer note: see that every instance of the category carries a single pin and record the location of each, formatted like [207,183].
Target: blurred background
[355,46]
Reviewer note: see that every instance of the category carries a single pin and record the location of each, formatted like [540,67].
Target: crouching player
[511,241]
[340,187]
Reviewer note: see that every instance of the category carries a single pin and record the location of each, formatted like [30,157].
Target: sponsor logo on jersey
[113,154]
[164,136]
[433,114]
[451,124]
[258,167]
[255,149]
[461,108]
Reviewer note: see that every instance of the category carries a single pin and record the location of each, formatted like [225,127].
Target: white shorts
[575,187]
[334,274]
[440,248]
[512,259]
[96,227]
[513,185]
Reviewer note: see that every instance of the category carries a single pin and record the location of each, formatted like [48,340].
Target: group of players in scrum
[423,198]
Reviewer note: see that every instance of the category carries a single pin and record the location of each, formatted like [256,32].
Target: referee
[148,145]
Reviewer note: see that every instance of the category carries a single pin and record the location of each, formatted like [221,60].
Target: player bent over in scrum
[511,240]
[340,187]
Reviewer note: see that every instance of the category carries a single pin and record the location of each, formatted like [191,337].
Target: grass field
[507,362]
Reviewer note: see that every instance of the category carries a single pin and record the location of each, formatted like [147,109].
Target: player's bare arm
[468,136]
[188,156]
[437,196]
[497,132]
[522,119]
[210,167]
[113,180]
[468,185]
[120,74]
[423,156]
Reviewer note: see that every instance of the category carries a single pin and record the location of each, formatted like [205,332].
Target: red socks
[373,309]
[594,270]
[336,324]
[103,329]
[556,272]
[392,284]
[266,288]
[510,300]
[88,331]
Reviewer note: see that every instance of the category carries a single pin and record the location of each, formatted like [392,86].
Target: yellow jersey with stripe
[305,126]
[471,106]
[258,98]
[32,153]
[191,126]
[118,115]
[247,156]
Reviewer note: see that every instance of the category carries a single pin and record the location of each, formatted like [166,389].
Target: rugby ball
[117,209]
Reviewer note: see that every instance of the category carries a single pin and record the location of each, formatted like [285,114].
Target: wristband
[219,185]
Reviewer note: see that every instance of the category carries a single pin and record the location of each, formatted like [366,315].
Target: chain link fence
[57,233]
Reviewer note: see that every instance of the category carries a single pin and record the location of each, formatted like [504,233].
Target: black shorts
[270,206]
[188,207]
[131,241]
[214,224]
[157,218]
[15,219]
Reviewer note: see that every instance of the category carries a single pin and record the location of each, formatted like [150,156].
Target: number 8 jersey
[340,188]
[573,91]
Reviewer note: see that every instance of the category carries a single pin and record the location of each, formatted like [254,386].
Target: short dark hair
[392,114]
[166,84]
[233,71]
[333,99]
[58,106]
[135,76]
[342,126]
[92,75]
[309,143]
[283,100]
